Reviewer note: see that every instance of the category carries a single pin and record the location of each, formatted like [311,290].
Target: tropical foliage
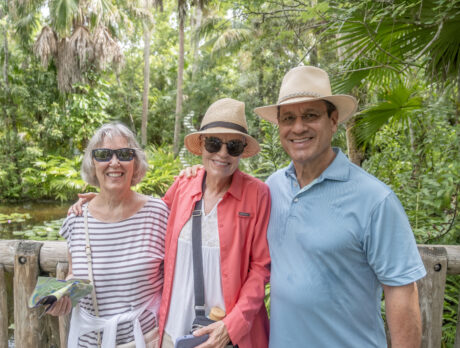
[69,66]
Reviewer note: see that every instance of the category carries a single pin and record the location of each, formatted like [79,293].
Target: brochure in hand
[49,290]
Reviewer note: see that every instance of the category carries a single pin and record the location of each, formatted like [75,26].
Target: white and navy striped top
[127,259]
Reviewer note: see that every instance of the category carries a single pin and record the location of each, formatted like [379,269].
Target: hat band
[224,125]
[299,94]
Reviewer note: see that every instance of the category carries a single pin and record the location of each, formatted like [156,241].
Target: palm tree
[145,94]
[78,36]
[387,41]
[182,7]
[182,13]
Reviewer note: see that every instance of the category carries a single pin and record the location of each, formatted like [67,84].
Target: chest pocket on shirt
[243,221]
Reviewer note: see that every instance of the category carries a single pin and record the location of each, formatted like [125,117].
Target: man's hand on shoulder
[76,208]
[190,172]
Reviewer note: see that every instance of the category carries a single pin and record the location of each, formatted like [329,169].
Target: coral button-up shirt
[243,215]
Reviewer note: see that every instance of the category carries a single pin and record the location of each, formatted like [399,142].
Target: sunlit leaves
[398,104]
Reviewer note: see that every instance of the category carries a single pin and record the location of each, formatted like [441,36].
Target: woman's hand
[218,335]
[76,208]
[190,172]
[61,307]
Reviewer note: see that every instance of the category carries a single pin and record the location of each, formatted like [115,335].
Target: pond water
[31,220]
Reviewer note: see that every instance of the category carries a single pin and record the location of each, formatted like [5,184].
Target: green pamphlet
[49,290]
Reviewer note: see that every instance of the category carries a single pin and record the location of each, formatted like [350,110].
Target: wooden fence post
[431,294]
[3,310]
[457,335]
[27,332]
[64,320]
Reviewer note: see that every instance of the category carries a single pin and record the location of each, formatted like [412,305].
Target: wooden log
[51,253]
[28,331]
[64,320]
[453,257]
[7,249]
[3,310]
[431,294]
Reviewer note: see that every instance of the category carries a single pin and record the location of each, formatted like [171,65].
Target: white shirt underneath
[181,309]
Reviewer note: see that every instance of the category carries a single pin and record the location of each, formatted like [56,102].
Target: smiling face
[306,132]
[114,174]
[220,164]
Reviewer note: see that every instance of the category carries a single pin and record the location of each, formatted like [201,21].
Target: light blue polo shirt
[332,244]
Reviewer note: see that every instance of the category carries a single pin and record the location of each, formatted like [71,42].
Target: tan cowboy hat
[308,83]
[224,116]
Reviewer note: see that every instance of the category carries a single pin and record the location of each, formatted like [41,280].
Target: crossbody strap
[198,278]
[90,270]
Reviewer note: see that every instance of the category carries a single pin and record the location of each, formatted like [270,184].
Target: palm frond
[399,104]
[403,34]
[81,44]
[182,9]
[231,39]
[209,26]
[106,50]
[62,13]
[46,45]
[26,25]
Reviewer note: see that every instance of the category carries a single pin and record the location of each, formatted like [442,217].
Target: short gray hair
[110,130]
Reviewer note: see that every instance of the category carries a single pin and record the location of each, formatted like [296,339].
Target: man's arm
[403,315]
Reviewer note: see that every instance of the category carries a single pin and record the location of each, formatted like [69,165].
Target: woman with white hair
[118,244]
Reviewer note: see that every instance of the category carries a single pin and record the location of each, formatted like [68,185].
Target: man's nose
[299,125]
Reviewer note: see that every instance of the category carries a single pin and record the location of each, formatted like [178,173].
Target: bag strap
[198,278]
[90,270]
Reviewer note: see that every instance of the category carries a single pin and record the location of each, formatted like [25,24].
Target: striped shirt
[127,260]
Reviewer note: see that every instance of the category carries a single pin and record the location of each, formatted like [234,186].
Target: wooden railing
[27,259]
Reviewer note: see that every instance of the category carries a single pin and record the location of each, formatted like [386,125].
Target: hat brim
[193,144]
[346,106]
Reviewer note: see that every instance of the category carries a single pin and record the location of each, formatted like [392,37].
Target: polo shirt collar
[235,189]
[338,170]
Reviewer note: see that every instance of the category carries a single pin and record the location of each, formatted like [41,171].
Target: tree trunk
[180,73]
[355,154]
[5,81]
[145,94]
[457,109]
[196,43]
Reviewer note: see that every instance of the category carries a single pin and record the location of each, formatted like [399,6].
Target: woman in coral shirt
[235,214]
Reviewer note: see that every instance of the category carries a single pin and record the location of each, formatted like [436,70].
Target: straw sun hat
[307,83]
[225,116]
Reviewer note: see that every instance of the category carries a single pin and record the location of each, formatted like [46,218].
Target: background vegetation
[70,66]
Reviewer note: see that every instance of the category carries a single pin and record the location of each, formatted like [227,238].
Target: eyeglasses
[105,155]
[235,147]
[290,119]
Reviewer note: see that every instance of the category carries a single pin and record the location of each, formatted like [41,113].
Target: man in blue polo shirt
[337,235]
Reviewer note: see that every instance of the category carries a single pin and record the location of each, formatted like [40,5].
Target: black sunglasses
[235,147]
[105,155]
